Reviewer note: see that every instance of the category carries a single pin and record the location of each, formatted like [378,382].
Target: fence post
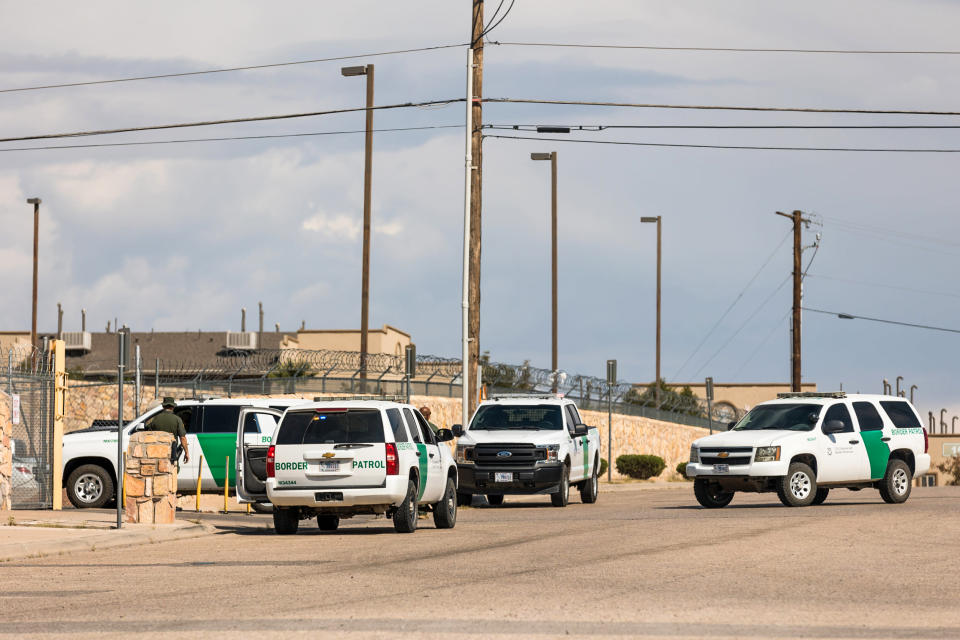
[156,379]
[59,408]
[137,382]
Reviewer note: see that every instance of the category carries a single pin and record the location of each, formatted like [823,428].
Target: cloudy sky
[181,236]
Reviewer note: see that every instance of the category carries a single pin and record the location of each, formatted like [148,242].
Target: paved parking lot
[639,563]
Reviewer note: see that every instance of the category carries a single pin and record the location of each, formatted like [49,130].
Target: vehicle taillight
[393,466]
[926,442]
[24,470]
[271,466]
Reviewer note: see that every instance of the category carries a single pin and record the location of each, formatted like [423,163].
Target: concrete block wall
[6,454]
[150,479]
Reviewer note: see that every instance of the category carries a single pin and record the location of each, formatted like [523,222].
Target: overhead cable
[207,123]
[604,127]
[730,49]
[230,69]
[850,316]
[884,286]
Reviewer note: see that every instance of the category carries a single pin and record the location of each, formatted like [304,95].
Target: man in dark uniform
[425,412]
[170,422]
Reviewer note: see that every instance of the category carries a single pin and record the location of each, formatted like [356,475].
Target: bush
[603,467]
[951,466]
[640,466]
[682,470]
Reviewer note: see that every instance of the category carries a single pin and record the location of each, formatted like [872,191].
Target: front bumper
[391,493]
[481,479]
[753,470]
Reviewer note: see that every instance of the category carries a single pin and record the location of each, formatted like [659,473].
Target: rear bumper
[922,464]
[391,493]
[482,479]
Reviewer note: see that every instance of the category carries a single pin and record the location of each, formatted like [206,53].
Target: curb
[103,540]
[641,486]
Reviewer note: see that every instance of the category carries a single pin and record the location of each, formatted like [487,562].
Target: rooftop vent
[241,340]
[77,341]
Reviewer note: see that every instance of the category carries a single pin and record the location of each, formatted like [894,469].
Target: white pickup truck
[802,445]
[527,444]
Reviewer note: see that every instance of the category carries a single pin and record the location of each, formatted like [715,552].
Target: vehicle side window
[572,419]
[900,414]
[267,423]
[191,418]
[412,423]
[396,423]
[839,412]
[250,424]
[220,418]
[425,429]
[575,414]
[868,416]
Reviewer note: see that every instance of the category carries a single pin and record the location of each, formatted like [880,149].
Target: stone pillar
[150,479]
[6,455]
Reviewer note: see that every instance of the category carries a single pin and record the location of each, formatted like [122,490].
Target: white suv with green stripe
[802,445]
[340,458]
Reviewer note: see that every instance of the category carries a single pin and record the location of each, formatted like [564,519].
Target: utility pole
[656,380]
[36,234]
[795,328]
[476,185]
[552,157]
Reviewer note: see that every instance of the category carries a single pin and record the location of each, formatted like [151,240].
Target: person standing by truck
[171,423]
[425,412]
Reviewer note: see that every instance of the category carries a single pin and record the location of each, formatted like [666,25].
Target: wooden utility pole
[476,194]
[795,327]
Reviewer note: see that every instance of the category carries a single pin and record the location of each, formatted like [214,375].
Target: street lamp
[366,70]
[552,157]
[36,233]
[656,384]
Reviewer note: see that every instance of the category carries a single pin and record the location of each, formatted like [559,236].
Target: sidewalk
[30,534]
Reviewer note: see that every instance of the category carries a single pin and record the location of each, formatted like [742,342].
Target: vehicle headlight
[464,453]
[767,454]
[694,455]
[548,452]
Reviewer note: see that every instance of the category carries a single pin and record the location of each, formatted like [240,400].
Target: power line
[641,105]
[493,25]
[761,343]
[230,121]
[730,49]
[604,127]
[723,146]
[263,137]
[732,305]
[849,316]
[230,69]
[884,286]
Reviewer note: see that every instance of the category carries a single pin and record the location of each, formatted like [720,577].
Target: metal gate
[28,379]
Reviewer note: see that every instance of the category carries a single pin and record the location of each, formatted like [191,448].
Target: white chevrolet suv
[804,444]
[340,458]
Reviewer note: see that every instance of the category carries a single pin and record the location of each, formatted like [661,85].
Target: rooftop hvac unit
[241,339]
[77,340]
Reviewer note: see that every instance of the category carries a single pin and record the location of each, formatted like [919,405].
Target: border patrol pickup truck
[802,445]
[89,455]
[339,458]
[527,444]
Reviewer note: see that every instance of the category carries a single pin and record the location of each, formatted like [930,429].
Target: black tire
[590,488]
[90,486]
[821,495]
[328,522]
[562,497]
[799,487]
[710,496]
[464,499]
[897,482]
[262,507]
[286,520]
[445,511]
[495,499]
[405,517]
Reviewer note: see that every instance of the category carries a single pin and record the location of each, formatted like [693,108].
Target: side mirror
[580,429]
[834,426]
[457,430]
[444,435]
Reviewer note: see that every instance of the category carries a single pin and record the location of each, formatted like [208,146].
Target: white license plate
[329,465]
[501,476]
[721,468]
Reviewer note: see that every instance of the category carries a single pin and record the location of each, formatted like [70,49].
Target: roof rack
[813,394]
[368,396]
[527,396]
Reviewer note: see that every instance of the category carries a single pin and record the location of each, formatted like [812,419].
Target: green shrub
[603,467]
[640,466]
[682,470]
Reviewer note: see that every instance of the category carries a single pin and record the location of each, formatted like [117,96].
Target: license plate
[503,477]
[721,468]
[329,465]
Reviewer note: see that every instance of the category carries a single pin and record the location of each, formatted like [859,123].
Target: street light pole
[656,384]
[552,157]
[36,234]
[366,70]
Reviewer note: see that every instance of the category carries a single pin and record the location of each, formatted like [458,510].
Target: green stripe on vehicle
[217,447]
[422,459]
[877,451]
[586,457]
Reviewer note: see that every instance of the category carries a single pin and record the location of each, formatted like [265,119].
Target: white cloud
[389,228]
[333,227]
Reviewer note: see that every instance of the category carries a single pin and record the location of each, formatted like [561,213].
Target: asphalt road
[645,563]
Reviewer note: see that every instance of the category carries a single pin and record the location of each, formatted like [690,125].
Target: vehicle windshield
[786,417]
[531,417]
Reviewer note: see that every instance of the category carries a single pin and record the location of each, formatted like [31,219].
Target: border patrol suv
[526,444]
[802,445]
[340,458]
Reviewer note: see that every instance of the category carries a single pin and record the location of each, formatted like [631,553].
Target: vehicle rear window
[331,427]
[900,414]
[520,417]
[868,416]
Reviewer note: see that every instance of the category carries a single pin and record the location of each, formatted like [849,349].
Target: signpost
[709,382]
[611,382]
[410,366]
[122,355]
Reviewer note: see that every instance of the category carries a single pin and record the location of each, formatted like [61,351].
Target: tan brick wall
[6,457]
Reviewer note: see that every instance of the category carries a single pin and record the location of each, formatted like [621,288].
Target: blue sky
[178,237]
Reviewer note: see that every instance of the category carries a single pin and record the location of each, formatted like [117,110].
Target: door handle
[431,455]
[854,442]
[418,454]
[885,439]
